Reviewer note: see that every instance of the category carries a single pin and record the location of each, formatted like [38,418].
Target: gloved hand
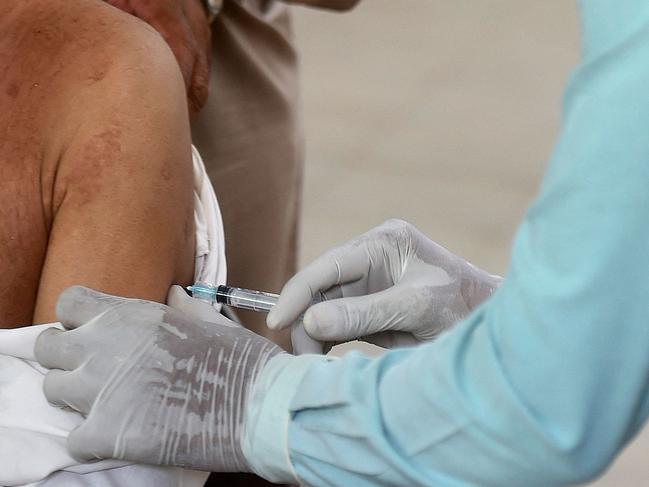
[156,386]
[391,286]
[195,309]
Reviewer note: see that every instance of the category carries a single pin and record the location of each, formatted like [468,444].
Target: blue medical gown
[549,379]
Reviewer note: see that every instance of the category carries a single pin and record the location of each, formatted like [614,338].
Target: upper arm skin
[122,199]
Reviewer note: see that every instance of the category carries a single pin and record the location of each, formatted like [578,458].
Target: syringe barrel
[246,298]
[258,301]
[240,298]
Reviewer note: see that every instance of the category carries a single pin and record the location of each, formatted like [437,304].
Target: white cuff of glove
[268,414]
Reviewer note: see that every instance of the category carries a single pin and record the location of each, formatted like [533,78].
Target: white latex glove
[156,386]
[391,286]
[196,309]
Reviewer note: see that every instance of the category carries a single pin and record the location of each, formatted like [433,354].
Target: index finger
[78,305]
[54,349]
[338,266]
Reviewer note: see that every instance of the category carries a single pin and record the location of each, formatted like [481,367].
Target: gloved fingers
[303,343]
[194,308]
[68,389]
[338,266]
[335,292]
[86,444]
[352,318]
[51,387]
[56,349]
[78,305]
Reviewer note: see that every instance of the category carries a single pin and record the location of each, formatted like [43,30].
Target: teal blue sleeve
[548,380]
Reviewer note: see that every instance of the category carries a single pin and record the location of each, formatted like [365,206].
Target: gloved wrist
[478,286]
[267,416]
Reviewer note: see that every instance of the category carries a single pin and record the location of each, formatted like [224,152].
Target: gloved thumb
[352,318]
[78,305]
[303,343]
[194,308]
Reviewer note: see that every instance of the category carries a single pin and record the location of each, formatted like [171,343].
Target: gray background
[442,113]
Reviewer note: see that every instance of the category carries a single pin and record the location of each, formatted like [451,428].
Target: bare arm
[122,198]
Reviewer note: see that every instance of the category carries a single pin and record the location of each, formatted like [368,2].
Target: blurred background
[442,113]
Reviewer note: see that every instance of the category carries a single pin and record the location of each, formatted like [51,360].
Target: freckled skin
[95,161]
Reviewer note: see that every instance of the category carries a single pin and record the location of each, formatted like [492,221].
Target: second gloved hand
[391,286]
[157,386]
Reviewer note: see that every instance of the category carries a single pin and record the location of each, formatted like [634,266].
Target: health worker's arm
[548,380]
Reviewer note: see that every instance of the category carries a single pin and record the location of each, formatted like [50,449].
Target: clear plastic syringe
[234,296]
[257,301]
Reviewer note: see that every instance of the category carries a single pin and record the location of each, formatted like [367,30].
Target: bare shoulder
[85,65]
[81,71]
[122,95]
[71,45]
[80,27]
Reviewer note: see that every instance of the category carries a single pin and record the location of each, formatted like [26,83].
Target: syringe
[257,301]
[234,296]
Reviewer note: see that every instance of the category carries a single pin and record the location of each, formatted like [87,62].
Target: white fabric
[33,433]
[210,240]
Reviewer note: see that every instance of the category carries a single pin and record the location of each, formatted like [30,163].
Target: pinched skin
[95,172]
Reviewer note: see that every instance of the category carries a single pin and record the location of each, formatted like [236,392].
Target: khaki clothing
[250,137]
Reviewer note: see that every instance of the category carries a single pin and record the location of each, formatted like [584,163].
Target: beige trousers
[250,137]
